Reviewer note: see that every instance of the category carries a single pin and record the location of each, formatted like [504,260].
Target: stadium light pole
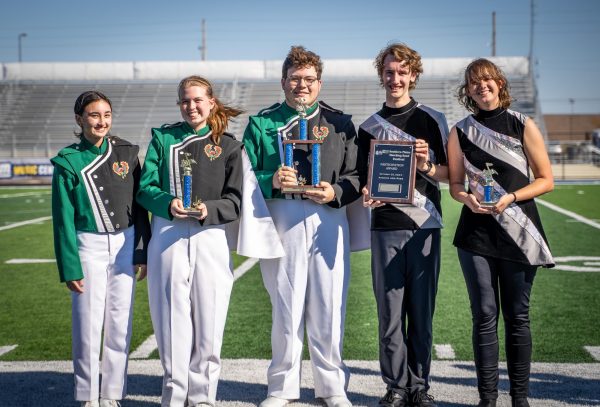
[20,40]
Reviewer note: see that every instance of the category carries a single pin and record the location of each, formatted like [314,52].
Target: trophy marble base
[488,204]
[193,212]
[300,189]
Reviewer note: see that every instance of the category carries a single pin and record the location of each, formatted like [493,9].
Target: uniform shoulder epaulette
[229,135]
[72,149]
[119,141]
[269,109]
[327,107]
[171,125]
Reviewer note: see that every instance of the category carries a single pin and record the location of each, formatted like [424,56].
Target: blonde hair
[218,119]
[483,69]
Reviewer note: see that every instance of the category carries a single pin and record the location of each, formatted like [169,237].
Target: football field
[565,309]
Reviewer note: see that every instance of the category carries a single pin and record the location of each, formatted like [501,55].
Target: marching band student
[190,273]
[501,245]
[309,285]
[406,239]
[100,237]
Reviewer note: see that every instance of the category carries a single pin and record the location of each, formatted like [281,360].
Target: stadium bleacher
[36,99]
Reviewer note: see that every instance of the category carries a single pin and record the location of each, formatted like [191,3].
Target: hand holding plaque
[392,169]
[305,182]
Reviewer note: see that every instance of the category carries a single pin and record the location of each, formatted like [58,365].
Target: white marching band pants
[308,288]
[190,279]
[107,300]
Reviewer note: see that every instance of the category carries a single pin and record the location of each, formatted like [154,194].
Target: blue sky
[566,35]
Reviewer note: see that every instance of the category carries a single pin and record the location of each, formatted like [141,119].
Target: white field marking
[569,213]
[29,261]
[22,194]
[25,222]
[145,349]
[590,263]
[244,267]
[148,346]
[6,349]
[445,351]
[594,351]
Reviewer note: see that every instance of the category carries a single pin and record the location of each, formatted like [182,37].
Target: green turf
[35,307]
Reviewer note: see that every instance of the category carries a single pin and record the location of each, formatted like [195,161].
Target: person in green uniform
[190,274]
[308,286]
[100,239]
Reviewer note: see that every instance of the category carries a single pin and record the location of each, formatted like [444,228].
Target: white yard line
[594,351]
[6,349]
[569,213]
[29,261]
[244,267]
[22,194]
[444,351]
[145,349]
[25,222]
[149,345]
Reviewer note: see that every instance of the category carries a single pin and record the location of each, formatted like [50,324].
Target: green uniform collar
[290,111]
[202,132]
[86,145]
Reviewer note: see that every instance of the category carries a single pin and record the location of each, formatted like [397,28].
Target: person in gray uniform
[405,239]
[499,235]
[100,240]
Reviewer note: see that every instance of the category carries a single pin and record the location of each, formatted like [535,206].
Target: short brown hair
[300,57]
[401,53]
[218,118]
[483,69]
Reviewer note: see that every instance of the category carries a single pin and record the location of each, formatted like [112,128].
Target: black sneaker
[422,399]
[394,399]
[520,402]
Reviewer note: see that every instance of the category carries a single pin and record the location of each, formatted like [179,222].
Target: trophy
[289,144]
[488,186]
[186,165]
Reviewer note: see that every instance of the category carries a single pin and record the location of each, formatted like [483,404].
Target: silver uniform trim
[103,222]
[174,174]
[505,148]
[282,134]
[441,121]
[381,129]
[515,222]
[423,212]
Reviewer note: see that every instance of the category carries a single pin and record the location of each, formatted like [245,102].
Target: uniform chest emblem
[121,168]
[212,151]
[320,133]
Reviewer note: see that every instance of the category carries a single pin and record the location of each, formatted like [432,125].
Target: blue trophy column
[187,190]
[316,163]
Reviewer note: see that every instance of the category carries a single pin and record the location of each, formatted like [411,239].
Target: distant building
[566,127]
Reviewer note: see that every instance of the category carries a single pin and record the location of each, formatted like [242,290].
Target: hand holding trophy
[489,195]
[191,208]
[305,182]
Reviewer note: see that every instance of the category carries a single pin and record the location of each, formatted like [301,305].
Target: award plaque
[392,169]
[186,165]
[489,198]
[306,182]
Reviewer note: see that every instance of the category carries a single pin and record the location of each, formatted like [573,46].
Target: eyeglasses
[308,80]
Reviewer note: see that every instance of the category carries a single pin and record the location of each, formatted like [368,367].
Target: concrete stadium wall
[227,70]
